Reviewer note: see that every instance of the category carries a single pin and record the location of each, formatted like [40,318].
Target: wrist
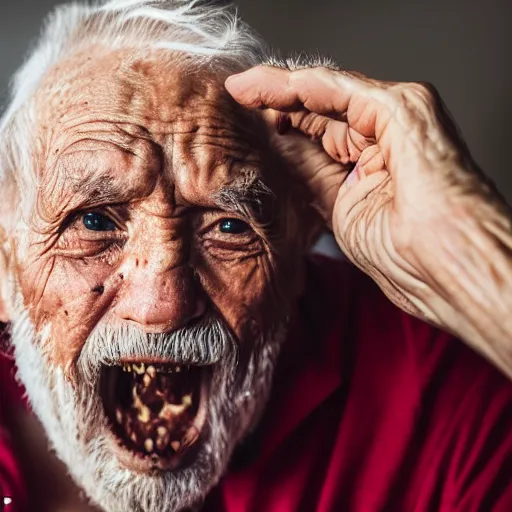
[465,260]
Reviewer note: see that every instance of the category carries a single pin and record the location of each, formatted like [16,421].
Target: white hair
[209,32]
[75,422]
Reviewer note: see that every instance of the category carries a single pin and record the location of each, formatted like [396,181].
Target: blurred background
[462,46]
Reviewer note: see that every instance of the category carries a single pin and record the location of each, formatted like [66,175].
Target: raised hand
[404,198]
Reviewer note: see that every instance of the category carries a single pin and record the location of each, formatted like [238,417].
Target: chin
[144,432]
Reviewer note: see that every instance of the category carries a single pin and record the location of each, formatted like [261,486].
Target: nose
[160,301]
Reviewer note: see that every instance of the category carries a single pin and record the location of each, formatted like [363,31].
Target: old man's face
[152,284]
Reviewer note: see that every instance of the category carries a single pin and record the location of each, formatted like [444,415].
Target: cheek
[69,296]
[247,294]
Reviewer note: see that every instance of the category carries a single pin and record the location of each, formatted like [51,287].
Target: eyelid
[74,233]
[112,213]
[214,225]
[247,226]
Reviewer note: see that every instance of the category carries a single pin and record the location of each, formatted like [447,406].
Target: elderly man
[178,347]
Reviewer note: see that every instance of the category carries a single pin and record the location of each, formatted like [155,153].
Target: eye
[94,221]
[233,226]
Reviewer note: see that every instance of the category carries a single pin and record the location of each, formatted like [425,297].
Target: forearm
[465,260]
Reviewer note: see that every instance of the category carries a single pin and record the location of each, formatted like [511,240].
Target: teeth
[161,440]
[139,368]
[144,414]
[170,410]
[148,445]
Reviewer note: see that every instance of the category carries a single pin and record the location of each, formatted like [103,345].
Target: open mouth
[157,410]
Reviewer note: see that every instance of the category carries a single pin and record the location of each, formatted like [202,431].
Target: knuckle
[415,97]
[355,74]
[426,91]
[299,76]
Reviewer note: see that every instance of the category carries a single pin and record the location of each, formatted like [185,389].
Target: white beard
[77,427]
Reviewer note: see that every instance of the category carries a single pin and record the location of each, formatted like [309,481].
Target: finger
[264,87]
[371,160]
[342,143]
[306,158]
[318,90]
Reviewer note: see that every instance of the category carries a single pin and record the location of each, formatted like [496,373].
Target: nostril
[199,310]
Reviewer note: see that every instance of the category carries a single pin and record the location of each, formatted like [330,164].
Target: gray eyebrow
[248,195]
[101,189]
[86,191]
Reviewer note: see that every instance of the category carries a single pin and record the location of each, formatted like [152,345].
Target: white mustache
[206,342]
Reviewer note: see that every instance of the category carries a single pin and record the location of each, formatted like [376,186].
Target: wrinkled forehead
[136,116]
[148,87]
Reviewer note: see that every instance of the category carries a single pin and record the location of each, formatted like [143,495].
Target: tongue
[155,407]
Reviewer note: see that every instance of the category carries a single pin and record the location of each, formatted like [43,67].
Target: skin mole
[98,289]
[202,164]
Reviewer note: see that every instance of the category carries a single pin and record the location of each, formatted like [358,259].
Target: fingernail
[232,78]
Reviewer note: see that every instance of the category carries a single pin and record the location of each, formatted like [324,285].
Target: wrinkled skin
[159,148]
[415,213]
[152,148]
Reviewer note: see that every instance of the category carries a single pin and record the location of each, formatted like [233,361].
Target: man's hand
[396,183]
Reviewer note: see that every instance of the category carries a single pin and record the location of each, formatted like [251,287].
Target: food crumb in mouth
[152,407]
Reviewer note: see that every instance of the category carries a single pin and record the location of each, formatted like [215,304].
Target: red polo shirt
[372,410]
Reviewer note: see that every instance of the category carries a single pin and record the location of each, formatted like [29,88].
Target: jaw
[111,474]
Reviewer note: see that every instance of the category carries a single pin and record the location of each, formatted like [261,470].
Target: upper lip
[156,360]
[150,360]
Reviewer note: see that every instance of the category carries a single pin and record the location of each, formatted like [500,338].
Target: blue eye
[98,222]
[234,226]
